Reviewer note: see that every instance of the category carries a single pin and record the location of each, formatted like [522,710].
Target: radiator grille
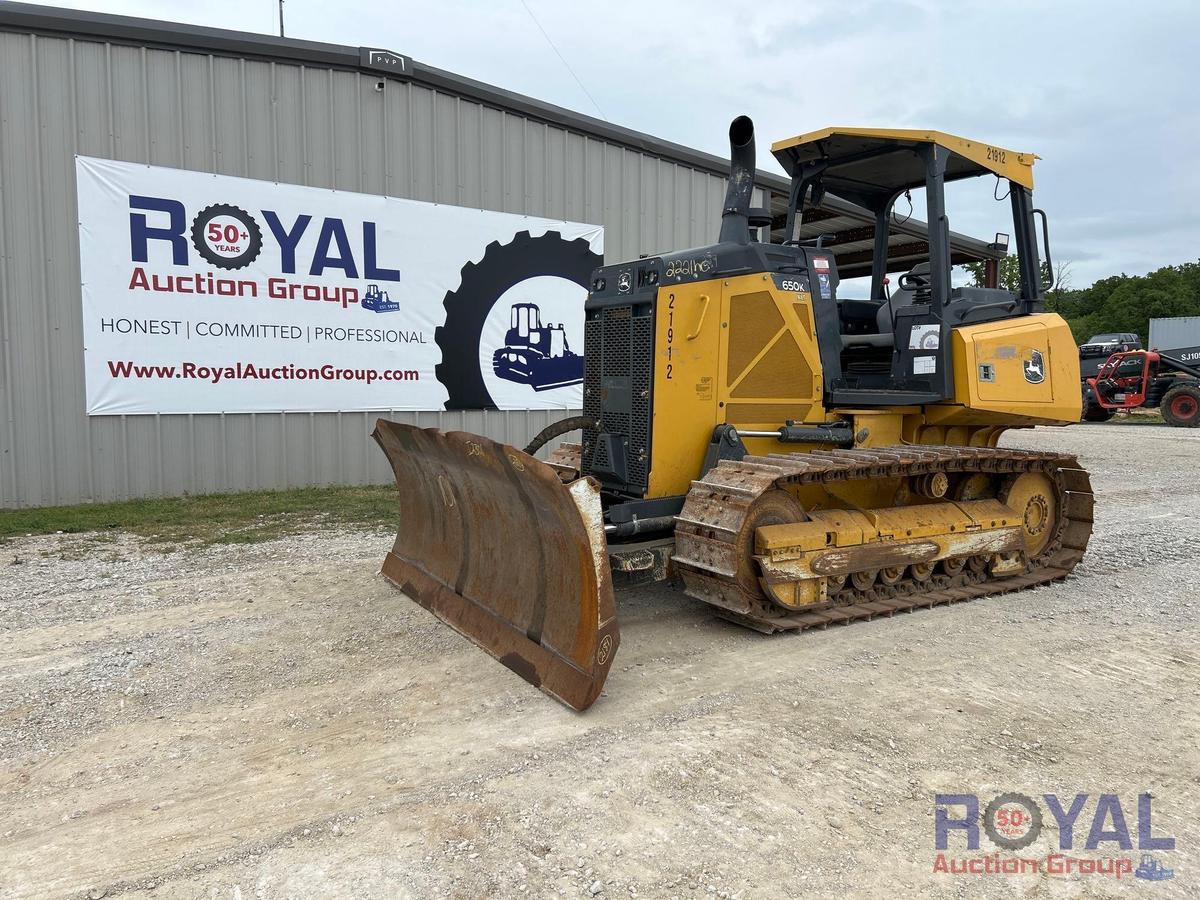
[619,343]
[615,353]
[593,342]
[642,355]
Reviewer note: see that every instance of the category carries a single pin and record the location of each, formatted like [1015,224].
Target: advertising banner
[208,293]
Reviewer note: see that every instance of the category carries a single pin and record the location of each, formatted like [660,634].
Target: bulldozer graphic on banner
[378,301]
[535,354]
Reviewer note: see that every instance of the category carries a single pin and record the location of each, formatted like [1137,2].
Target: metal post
[281,18]
[1027,248]
[991,273]
[939,226]
[880,255]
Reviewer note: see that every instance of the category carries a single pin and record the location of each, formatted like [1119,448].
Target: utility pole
[281,18]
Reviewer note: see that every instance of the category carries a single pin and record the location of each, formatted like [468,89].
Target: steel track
[719,507]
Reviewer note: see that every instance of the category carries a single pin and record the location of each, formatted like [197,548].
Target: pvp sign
[207,294]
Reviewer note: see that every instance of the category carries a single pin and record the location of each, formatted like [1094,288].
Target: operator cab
[525,319]
[895,347]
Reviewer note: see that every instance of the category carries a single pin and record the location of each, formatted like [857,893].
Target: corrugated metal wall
[268,120]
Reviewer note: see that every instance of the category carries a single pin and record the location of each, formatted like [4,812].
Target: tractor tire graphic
[1029,810]
[485,282]
[253,236]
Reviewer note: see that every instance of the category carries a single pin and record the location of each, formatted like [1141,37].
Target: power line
[563,60]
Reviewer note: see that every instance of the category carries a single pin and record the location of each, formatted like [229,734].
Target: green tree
[1117,303]
[1128,302]
[1010,273]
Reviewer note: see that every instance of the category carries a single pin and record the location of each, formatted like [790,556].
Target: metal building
[298,112]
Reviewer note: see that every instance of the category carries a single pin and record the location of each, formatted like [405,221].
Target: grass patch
[246,518]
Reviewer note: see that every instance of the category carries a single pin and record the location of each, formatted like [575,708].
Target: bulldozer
[535,354]
[794,458]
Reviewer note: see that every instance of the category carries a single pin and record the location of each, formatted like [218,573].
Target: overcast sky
[1104,92]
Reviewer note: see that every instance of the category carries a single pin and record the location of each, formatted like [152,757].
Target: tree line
[1117,303]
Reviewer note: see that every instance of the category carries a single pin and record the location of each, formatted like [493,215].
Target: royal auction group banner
[207,294]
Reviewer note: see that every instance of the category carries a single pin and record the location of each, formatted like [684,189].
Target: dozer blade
[497,547]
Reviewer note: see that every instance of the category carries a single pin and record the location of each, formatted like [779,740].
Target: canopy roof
[882,161]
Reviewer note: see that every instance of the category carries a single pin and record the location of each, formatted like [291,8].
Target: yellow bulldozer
[804,458]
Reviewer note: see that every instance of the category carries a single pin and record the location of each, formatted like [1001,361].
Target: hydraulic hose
[557,429]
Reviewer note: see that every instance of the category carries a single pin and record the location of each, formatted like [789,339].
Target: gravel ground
[276,721]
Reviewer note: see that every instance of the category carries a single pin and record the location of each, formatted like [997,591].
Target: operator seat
[903,296]
[868,323]
[865,323]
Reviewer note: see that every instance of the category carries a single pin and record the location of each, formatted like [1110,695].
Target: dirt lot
[276,721]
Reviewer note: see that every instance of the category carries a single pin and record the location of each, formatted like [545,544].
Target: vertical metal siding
[274,121]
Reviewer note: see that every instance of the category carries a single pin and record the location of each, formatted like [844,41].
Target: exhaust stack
[735,217]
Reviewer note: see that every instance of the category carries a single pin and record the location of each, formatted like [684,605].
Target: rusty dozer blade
[496,546]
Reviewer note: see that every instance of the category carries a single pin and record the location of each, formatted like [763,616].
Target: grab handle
[700,324]
[1047,280]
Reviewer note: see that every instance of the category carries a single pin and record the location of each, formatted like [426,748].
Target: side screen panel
[687,338]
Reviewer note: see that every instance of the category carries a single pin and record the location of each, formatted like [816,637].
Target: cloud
[1103,91]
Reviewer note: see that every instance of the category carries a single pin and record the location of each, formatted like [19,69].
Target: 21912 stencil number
[670,335]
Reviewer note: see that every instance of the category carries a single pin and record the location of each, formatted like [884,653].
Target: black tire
[1093,411]
[481,285]
[243,259]
[1181,406]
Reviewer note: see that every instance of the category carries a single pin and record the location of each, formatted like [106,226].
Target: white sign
[207,294]
[925,337]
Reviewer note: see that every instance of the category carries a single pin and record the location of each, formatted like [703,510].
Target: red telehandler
[1147,378]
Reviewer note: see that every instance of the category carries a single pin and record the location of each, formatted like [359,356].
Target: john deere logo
[1035,371]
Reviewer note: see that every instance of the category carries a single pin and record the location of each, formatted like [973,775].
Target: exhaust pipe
[735,217]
